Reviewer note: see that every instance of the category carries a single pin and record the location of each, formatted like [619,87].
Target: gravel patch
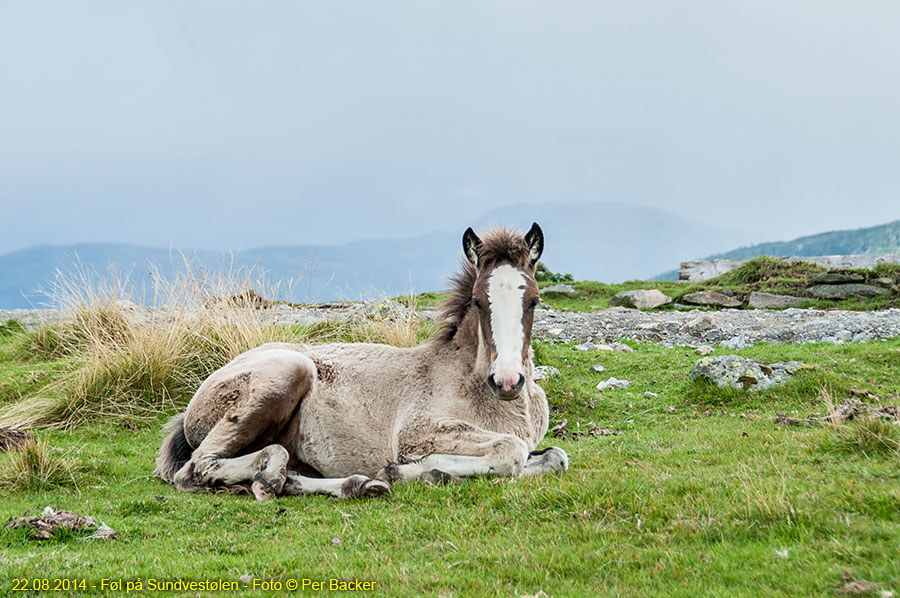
[728,327]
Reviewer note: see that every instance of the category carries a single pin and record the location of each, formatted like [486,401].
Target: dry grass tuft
[33,466]
[133,363]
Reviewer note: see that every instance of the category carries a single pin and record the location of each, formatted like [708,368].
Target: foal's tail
[175,450]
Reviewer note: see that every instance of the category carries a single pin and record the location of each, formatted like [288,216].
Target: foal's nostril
[491,382]
[520,382]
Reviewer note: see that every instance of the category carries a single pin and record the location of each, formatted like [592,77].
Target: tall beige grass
[132,363]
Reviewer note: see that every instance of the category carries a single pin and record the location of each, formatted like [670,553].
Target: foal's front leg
[440,450]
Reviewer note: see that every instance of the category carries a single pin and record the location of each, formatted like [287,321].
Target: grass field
[700,494]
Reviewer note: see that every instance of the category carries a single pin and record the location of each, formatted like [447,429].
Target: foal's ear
[471,246]
[535,240]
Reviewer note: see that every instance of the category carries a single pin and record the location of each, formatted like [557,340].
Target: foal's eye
[534,303]
[477,304]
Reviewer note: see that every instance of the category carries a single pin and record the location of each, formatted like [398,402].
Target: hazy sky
[239,124]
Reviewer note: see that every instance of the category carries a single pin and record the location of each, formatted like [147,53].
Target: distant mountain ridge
[593,241]
[884,238]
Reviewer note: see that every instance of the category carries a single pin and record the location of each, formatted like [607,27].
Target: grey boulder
[640,299]
[844,291]
[772,301]
[711,299]
[734,371]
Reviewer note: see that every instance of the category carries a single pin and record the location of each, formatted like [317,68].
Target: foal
[349,419]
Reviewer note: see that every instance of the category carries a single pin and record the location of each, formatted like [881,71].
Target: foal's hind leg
[277,383]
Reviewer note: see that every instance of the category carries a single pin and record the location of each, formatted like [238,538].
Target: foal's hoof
[436,476]
[263,490]
[376,488]
[390,473]
[358,486]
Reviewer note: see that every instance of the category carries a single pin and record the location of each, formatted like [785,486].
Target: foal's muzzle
[506,391]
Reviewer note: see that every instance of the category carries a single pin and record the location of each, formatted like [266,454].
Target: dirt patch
[11,439]
[44,527]
[561,430]
[850,409]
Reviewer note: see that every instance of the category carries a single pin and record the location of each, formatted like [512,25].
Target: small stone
[336,541]
[735,343]
[246,578]
[650,395]
[622,347]
[543,372]
[704,350]
[597,368]
[601,348]
[613,384]
[700,324]
[554,331]
[583,347]
[861,337]
[640,299]
[843,336]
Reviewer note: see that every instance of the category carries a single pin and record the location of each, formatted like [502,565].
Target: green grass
[699,495]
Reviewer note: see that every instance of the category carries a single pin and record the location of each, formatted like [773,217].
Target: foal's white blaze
[505,291]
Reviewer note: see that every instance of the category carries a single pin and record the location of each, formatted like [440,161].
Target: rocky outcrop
[697,270]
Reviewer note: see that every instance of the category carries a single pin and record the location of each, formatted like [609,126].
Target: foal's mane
[497,246]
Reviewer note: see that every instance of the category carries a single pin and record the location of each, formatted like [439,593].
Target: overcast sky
[239,124]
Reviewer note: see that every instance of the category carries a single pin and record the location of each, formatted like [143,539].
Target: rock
[861,337]
[837,278]
[650,395]
[613,384]
[733,371]
[601,347]
[622,347]
[543,372]
[843,291]
[842,336]
[640,299]
[883,282]
[647,326]
[737,342]
[556,332]
[597,368]
[704,350]
[770,300]
[583,346]
[561,289]
[699,324]
[711,298]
